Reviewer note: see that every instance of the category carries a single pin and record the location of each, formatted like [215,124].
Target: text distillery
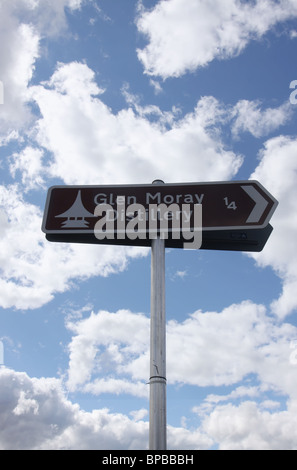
[136,221]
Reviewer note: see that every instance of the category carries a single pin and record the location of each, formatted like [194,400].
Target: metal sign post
[158,419]
[157,429]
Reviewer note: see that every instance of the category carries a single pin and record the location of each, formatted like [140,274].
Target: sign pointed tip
[262,199]
[260,206]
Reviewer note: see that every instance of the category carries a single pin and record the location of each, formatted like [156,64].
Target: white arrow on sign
[260,206]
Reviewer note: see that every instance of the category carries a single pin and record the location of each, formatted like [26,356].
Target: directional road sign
[72,212]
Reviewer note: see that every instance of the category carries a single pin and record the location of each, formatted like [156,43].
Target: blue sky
[124,92]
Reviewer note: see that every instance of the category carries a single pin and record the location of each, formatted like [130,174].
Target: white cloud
[199,31]
[117,387]
[92,145]
[157,87]
[74,79]
[246,427]
[32,269]
[182,438]
[181,274]
[38,416]
[29,163]
[249,343]
[248,117]
[23,24]
[16,70]
[105,342]
[25,405]
[48,18]
[139,414]
[35,410]
[277,172]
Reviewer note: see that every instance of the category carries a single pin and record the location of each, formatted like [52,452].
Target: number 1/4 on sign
[230,205]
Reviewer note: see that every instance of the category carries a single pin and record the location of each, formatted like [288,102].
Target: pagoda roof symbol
[76,214]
